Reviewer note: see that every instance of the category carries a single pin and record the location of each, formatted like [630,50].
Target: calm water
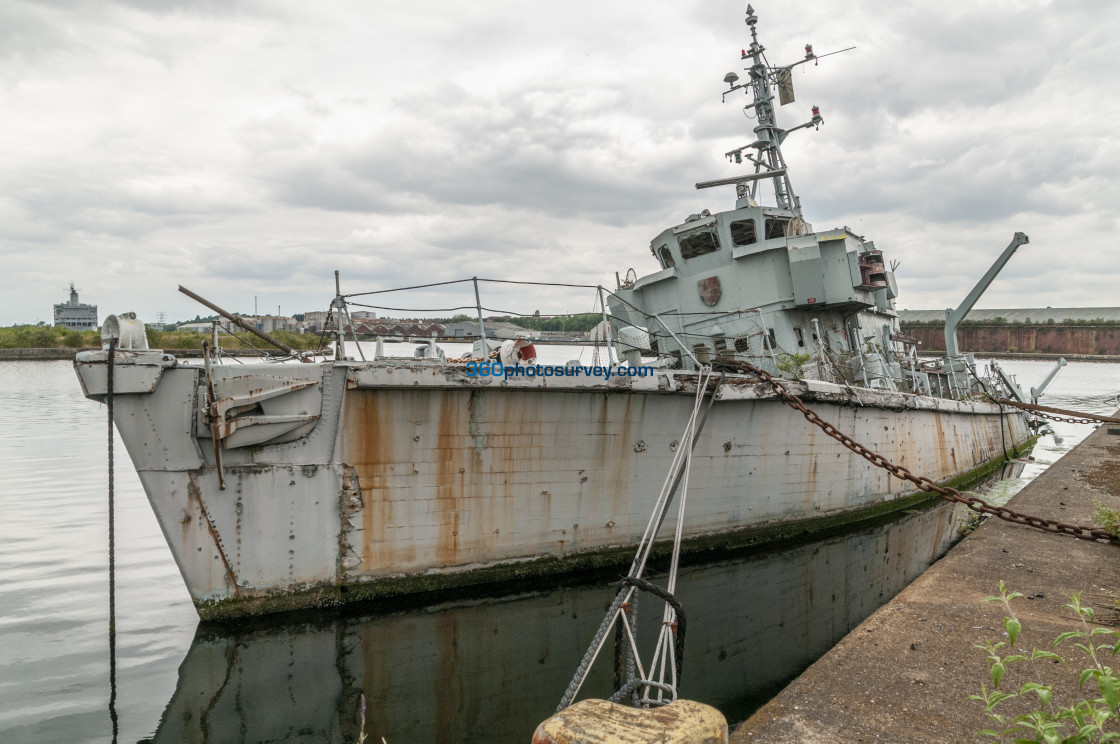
[479,669]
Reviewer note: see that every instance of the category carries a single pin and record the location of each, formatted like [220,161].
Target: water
[468,669]
[1080,386]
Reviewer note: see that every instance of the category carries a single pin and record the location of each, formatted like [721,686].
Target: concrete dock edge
[905,673]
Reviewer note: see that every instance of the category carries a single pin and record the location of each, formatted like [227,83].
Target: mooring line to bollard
[112,550]
[615,612]
[974,503]
[681,619]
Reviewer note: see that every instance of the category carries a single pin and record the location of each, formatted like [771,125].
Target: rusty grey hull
[329,594]
[352,481]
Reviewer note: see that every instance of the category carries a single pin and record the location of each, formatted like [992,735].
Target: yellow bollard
[601,722]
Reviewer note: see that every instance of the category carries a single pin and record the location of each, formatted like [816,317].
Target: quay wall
[906,673]
[999,338]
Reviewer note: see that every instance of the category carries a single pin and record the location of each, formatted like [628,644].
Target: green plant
[973,521]
[45,337]
[791,363]
[1047,721]
[1107,518]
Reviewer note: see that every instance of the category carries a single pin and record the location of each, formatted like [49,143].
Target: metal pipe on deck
[607,329]
[766,339]
[238,321]
[478,305]
[1012,388]
[1036,392]
[680,343]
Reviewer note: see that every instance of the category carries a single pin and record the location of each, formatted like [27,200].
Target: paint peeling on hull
[513,572]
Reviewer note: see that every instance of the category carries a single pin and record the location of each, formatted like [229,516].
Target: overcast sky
[250,148]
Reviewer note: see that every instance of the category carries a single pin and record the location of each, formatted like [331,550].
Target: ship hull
[350,480]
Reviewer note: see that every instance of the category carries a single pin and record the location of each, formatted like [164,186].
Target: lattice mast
[766,81]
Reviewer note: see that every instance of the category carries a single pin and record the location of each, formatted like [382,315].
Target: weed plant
[1107,518]
[1046,719]
[791,363]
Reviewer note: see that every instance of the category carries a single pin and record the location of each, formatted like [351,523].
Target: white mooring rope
[664,662]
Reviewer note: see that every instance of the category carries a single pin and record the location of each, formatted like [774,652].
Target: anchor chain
[974,503]
[1059,414]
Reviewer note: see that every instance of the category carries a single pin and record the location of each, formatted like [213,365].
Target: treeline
[578,323]
[46,337]
[55,337]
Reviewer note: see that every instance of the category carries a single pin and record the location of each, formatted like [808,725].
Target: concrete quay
[905,673]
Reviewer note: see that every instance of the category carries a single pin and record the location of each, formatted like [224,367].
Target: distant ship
[285,485]
[77,316]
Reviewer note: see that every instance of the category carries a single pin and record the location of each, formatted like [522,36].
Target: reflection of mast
[769,164]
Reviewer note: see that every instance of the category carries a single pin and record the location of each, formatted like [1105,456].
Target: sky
[247,149]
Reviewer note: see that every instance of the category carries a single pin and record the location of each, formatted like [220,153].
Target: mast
[769,163]
[769,136]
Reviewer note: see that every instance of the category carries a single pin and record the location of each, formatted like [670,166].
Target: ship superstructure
[757,283]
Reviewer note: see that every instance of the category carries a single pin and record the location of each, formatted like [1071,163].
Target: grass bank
[53,337]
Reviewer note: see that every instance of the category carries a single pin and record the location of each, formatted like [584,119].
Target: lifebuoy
[515,352]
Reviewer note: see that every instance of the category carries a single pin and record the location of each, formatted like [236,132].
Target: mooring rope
[112,548]
[680,621]
[670,662]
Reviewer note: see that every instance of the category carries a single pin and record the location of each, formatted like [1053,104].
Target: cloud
[250,149]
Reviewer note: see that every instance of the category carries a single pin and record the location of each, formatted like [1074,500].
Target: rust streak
[193,492]
[448,482]
[366,431]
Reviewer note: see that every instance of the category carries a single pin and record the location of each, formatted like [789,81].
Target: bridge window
[666,257]
[776,227]
[743,232]
[699,243]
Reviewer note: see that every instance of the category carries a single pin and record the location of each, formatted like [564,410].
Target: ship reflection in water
[491,669]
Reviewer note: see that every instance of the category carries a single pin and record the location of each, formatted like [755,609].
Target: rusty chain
[974,503]
[1058,414]
[1065,419]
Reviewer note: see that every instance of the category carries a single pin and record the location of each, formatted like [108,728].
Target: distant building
[494,329]
[318,320]
[75,315]
[205,327]
[270,323]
